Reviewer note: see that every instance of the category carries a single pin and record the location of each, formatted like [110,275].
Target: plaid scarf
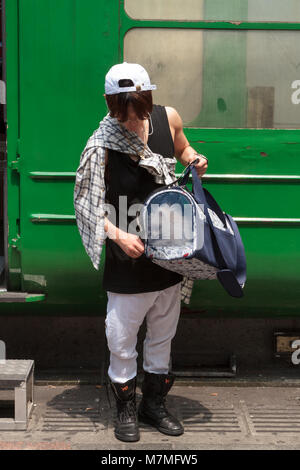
[89,189]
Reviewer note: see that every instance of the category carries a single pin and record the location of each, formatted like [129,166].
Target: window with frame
[214,10]
[222,78]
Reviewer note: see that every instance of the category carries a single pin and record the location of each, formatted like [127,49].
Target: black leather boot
[152,409]
[126,428]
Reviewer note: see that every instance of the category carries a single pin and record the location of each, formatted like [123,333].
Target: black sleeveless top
[123,274]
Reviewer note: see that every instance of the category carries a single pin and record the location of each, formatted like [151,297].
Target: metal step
[17,375]
[9,296]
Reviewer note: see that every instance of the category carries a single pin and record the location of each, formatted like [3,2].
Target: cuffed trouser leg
[125,314]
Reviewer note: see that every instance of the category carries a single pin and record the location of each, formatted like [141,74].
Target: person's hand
[202,165]
[131,244]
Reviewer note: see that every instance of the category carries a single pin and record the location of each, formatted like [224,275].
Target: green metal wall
[58,52]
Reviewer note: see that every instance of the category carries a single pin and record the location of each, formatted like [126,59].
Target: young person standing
[136,287]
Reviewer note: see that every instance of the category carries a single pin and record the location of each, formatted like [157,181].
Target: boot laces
[159,404]
[127,411]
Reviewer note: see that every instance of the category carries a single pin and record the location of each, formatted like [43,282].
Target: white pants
[125,315]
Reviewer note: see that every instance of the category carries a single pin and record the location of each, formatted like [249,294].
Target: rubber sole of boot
[127,438]
[146,420]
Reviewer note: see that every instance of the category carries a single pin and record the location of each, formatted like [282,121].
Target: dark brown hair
[141,102]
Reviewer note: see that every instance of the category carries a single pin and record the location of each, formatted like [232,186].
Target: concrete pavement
[216,415]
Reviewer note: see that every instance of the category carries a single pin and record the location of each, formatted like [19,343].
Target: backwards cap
[134,72]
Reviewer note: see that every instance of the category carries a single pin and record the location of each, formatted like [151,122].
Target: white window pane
[222,78]
[165,9]
[274,10]
[272,70]
[173,59]
[226,10]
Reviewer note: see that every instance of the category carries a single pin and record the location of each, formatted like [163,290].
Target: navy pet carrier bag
[187,232]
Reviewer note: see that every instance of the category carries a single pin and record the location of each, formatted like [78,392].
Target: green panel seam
[13,129]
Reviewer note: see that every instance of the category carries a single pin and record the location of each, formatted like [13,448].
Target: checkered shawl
[89,189]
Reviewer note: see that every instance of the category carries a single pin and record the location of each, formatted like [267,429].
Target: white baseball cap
[134,72]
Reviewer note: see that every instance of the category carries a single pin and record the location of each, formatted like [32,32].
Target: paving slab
[81,417]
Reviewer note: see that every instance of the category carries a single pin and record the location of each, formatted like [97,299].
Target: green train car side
[231,69]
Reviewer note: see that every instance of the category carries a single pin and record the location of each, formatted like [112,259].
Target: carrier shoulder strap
[232,282]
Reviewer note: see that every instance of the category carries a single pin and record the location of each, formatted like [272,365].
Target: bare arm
[183,150]
[131,244]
